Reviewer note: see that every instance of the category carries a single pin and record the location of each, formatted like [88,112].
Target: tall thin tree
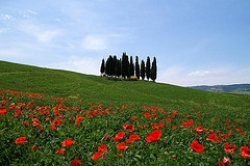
[131,67]
[143,71]
[154,70]
[148,68]
[102,69]
[124,65]
[137,67]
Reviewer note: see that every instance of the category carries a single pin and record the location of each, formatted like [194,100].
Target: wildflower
[168,120]
[102,149]
[187,124]
[26,123]
[20,140]
[33,147]
[129,141]
[226,160]
[245,152]
[60,151]
[96,156]
[3,111]
[128,127]
[196,146]
[199,129]
[153,136]
[134,137]
[119,136]
[75,162]
[147,115]
[174,127]
[68,142]
[133,118]
[229,148]
[121,146]
[53,127]
[212,137]
[100,153]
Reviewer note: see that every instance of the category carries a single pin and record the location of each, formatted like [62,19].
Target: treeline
[126,68]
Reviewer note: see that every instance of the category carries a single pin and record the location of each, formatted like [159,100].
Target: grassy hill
[205,127]
[91,88]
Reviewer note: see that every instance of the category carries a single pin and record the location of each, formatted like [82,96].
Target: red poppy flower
[20,140]
[226,160]
[75,162]
[229,148]
[133,118]
[212,137]
[33,147]
[174,127]
[147,115]
[129,141]
[68,142]
[119,136]
[153,136]
[196,146]
[245,152]
[128,127]
[121,146]
[96,156]
[220,163]
[26,123]
[134,137]
[102,148]
[199,129]
[60,151]
[3,111]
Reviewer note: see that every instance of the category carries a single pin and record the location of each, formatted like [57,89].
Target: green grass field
[92,112]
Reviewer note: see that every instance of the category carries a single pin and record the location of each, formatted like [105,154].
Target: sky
[195,42]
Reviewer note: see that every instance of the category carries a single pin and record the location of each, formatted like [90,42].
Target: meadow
[55,117]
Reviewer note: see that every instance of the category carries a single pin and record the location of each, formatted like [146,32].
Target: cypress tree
[118,68]
[143,70]
[102,69]
[108,65]
[113,65]
[154,70]
[148,68]
[131,67]
[137,67]
[125,65]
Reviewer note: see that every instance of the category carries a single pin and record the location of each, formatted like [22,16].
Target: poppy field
[39,130]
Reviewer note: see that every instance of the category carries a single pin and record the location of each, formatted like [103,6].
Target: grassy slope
[96,89]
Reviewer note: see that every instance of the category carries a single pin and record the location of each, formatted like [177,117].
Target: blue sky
[195,42]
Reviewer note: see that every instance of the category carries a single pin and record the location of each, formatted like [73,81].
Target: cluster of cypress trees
[125,67]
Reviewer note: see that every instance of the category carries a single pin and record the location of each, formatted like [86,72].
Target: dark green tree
[102,69]
[137,67]
[118,68]
[143,71]
[148,68]
[113,65]
[131,67]
[154,70]
[108,68]
[125,65]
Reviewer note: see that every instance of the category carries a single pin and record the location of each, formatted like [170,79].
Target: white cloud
[6,17]
[77,64]
[94,42]
[199,73]
[3,30]
[42,34]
